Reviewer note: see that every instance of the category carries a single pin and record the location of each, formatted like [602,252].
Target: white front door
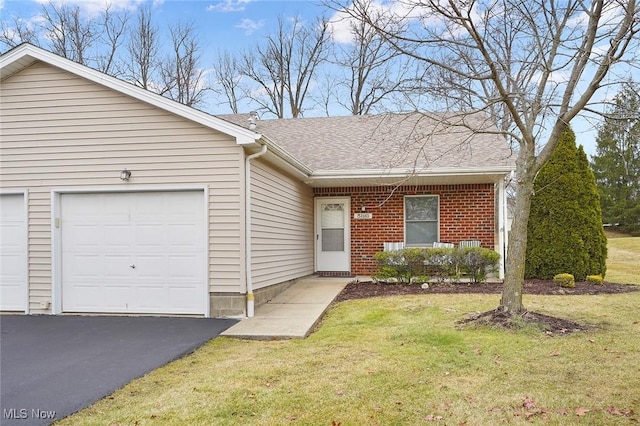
[13,253]
[333,237]
[137,252]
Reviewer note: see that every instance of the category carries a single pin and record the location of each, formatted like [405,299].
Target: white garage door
[13,253]
[141,252]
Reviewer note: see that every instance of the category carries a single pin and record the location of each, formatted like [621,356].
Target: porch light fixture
[363,208]
[125,174]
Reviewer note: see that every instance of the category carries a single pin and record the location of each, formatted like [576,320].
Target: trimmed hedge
[420,265]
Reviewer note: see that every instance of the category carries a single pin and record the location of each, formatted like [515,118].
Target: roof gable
[25,55]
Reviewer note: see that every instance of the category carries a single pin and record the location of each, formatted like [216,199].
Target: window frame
[405,221]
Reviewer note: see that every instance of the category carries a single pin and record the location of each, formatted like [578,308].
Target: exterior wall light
[125,175]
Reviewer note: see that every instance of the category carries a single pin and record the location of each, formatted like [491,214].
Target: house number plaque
[363,215]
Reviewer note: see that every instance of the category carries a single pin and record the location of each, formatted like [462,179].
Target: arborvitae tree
[565,232]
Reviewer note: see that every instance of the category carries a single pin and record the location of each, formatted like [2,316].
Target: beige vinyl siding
[59,130]
[39,247]
[282,226]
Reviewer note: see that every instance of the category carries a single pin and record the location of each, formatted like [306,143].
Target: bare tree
[114,31]
[530,66]
[228,76]
[17,32]
[143,49]
[90,40]
[182,76]
[374,69]
[69,34]
[285,67]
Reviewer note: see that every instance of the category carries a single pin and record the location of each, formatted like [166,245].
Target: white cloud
[341,22]
[1,4]
[228,6]
[250,26]
[94,7]
[340,27]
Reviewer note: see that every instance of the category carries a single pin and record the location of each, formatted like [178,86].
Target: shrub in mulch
[366,289]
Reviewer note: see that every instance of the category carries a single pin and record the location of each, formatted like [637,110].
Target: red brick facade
[466,213]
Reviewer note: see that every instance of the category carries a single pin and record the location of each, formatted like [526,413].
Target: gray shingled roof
[389,141]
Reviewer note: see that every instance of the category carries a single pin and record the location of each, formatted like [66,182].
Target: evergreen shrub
[565,280]
[595,279]
[565,231]
[416,265]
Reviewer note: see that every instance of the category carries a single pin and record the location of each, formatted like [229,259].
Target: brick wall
[466,213]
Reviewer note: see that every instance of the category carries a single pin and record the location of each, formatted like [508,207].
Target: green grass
[403,360]
[623,260]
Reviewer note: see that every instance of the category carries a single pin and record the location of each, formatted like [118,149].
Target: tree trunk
[511,301]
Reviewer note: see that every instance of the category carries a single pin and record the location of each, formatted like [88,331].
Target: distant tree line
[616,164]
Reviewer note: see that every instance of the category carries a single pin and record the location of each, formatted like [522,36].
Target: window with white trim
[421,217]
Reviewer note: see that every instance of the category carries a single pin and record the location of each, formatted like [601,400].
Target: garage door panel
[87,237]
[116,297]
[183,266]
[115,236]
[181,297]
[13,253]
[12,266]
[187,235]
[152,298]
[151,266]
[151,236]
[162,237]
[12,233]
[82,265]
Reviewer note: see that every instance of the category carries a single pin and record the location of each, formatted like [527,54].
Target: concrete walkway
[293,313]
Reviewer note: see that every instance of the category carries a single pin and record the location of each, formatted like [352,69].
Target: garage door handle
[132,266]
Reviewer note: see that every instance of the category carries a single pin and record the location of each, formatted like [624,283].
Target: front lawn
[403,361]
[623,260]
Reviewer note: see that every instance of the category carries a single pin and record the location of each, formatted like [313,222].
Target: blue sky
[221,23]
[230,25]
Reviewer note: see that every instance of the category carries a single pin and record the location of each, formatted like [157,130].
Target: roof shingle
[415,141]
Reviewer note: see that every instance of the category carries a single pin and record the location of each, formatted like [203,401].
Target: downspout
[505,215]
[247,227]
[503,232]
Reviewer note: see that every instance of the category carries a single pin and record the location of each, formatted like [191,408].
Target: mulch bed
[366,289]
[550,325]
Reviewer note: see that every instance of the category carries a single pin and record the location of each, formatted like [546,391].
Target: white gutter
[247,228]
[399,172]
[502,227]
[505,233]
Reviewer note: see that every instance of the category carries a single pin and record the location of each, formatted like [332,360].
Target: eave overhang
[399,177]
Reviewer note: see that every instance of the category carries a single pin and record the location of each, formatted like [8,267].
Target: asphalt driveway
[52,366]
